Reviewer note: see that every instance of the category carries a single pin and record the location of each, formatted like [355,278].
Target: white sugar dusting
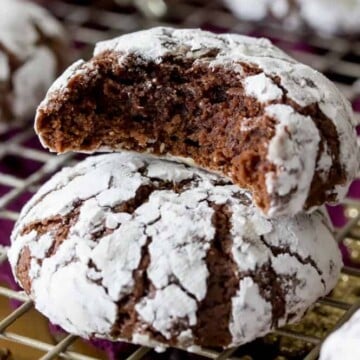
[301,84]
[248,224]
[293,149]
[96,261]
[344,342]
[251,313]
[174,254]
[262,88]
[167,308]
[295,265]
[324,164]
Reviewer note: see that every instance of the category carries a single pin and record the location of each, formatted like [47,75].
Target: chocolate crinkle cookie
[327,17]
[33,51]
[228,103]
[343,343]
[128,247]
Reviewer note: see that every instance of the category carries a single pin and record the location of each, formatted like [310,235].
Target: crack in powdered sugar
[282,86]
[134,261]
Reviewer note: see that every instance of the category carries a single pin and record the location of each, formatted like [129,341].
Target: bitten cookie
[124,246]
[228,103]
[337,16]
[344,343]
[33,50]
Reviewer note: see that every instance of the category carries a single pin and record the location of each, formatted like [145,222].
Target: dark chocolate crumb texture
[130,247]
[33,51]
[227,103]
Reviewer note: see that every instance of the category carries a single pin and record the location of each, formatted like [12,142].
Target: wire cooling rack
[24,165]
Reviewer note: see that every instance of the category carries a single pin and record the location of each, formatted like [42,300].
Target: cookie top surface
[32,46]
[304,85]
[303,103]
[344,342]
[129,234]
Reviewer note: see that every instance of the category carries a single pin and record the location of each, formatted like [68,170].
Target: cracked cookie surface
[126,246]
[231,104]
[343,343]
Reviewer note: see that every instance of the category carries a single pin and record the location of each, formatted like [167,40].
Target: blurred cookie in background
[152,9]
[33,50]
[149,8]
[327,17]
[259,10]
[332,16]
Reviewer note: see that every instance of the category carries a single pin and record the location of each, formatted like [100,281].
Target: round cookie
[343,343]
[228,103]
[337,16]
[128,247]
[33,50]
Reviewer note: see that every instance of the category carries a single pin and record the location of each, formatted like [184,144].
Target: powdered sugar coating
[23,28]
[250,318]
[96,261]
[343,343]
[164,311]
[286,152]
[262,88]
[297,82]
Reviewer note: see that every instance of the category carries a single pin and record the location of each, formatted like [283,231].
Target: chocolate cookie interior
[180,107]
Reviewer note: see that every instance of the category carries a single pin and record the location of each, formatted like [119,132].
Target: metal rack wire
[338,58]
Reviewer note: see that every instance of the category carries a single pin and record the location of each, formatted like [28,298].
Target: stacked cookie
[201,229]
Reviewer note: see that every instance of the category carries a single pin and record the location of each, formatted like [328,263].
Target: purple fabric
[114,350]
[354,191]
[337,215]
[356,104]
